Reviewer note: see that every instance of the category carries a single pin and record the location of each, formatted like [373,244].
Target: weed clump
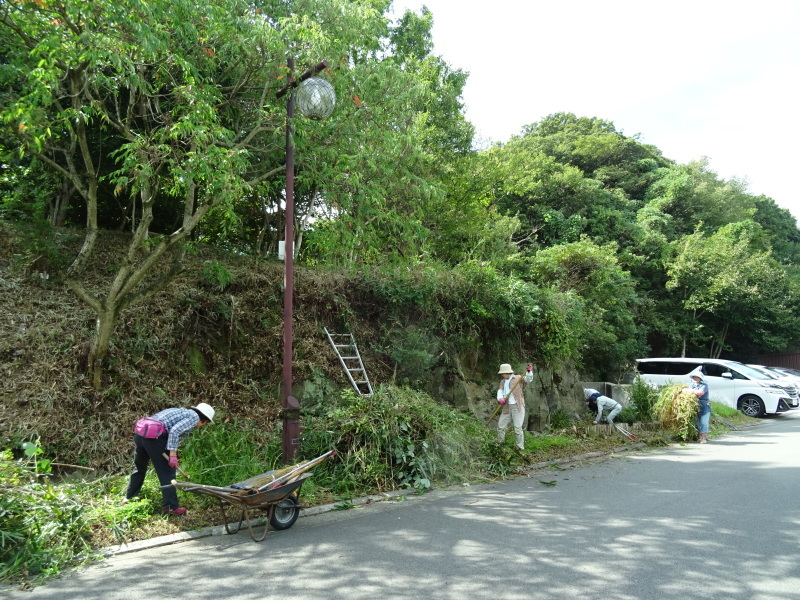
[676,410]
[643,398]
[42,527]
[396,438]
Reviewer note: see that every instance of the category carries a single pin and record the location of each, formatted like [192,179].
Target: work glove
[501,400]
[173,461]
[530,368]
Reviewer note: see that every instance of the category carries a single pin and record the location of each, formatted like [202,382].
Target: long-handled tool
[624,431]
[499,405]
[295,471]
[726,423]
[178,469]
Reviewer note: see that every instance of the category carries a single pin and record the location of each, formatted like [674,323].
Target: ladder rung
[353,372]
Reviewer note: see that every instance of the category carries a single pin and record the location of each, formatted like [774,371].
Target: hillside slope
[205,339]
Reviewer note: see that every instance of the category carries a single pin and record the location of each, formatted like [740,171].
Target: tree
[567,176]
[725,281]
[612,336]
[683,195]
[178,97]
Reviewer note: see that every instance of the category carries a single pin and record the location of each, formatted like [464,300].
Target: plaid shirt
[179,423]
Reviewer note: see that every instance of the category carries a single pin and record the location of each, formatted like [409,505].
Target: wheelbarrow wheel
[285,513]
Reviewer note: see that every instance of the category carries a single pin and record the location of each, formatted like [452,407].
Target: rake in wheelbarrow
[273,492]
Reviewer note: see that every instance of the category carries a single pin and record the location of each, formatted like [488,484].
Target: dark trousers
[147,451]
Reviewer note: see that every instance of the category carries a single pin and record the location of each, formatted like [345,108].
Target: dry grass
[189,343]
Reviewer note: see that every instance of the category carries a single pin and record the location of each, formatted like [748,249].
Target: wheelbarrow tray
[248,496]
[282,499]
[274,492]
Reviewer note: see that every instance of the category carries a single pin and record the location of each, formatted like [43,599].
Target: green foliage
[723,410]
[415,352]
[216,275]
[627,415]
[396,438]
[727,281]
[643,398]
[226,453]
[676,410]
[544,443]
[471,304]
[560,419]
[43,528]
[610,300]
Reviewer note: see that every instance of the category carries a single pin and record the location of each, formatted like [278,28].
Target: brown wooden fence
[790,360]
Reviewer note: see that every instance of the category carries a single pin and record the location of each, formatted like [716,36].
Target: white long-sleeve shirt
[505,390]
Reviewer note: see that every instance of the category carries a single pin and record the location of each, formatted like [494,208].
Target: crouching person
[599,403]
[510,395]
[158,435]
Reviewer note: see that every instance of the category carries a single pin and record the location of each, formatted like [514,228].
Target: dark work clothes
[152,450]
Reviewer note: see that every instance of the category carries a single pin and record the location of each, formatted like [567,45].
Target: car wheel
[285,513]
[752,406]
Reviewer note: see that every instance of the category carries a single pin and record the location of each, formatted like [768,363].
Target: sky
[699,78]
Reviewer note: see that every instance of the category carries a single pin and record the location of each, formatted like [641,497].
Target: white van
[729,382]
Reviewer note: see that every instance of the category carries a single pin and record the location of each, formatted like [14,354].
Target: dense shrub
[42,527]
[396,438]
[643,398]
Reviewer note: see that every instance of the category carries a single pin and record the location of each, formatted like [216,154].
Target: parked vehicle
[789,382]
[730,383]
[787,370]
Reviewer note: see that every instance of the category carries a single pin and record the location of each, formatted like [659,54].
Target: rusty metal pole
[291,406]
[291,429]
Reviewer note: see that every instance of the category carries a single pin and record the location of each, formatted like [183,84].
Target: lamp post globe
[315,98]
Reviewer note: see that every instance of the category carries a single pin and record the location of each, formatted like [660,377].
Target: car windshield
[768,372]
[772,374]
[780,374]
[749,371]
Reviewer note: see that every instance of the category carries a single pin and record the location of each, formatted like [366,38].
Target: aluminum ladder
[344,344]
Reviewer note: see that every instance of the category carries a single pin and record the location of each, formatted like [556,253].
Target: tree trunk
[104,328]
[58,210]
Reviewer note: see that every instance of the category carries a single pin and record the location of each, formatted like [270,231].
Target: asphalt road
[718,521]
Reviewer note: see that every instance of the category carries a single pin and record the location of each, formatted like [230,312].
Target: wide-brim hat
[206,410]
[698,373]
[505,368]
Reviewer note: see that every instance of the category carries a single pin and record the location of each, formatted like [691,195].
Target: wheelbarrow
[274,492]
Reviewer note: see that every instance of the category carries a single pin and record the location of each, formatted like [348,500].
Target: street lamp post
[317,102]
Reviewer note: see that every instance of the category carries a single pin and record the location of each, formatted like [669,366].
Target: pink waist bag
[149,428]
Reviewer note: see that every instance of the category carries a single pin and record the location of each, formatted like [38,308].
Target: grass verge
[398,438]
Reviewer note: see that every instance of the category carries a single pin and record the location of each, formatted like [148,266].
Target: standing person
[154,437]
[599,403]
[509,394]
[699,388]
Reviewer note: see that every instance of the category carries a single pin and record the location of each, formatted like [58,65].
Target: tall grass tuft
[642,400]
[43,528]
[676,410]
[226,453]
